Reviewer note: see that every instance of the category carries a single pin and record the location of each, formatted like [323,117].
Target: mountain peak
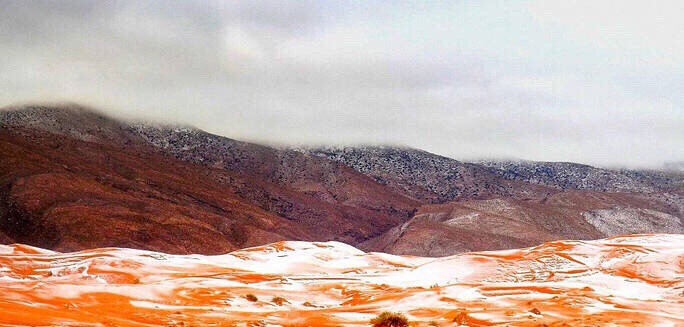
[80,121]
[39,112]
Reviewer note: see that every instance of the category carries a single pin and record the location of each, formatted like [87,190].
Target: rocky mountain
[63,193]
[499,205]
[568,175]
[72,178]
[309,189]
[428,177]
[504,223]
[67,170]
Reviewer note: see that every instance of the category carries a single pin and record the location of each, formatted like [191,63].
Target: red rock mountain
[72,179]
[505,223]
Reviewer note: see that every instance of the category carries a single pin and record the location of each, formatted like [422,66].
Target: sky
[597,82]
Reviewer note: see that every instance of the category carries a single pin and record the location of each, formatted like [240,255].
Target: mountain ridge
[304,191]
[359,195]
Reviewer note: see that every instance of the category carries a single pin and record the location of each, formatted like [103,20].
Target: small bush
[390,319]
[462,317]
[251,298]
[279,300]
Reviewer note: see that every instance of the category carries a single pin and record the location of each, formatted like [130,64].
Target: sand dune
[626,281]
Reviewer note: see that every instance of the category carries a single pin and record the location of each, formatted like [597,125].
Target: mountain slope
[354,196]
[51,154]
[503,223]
[71,178]
[498,206]
[426,176]
[568,175]
[68,194]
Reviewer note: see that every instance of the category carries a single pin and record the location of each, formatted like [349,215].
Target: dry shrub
[279,300]
[251,297]
[390,319]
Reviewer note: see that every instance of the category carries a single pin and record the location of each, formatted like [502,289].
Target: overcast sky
[598,82]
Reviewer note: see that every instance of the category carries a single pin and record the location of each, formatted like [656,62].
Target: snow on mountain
[67,168]
[568,175]
[426,176]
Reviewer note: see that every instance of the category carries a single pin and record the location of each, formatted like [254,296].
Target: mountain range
[72,178]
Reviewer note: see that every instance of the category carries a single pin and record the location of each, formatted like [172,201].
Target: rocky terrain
[68,171]
[73,179]
[623,281]
[568,175]
[67,194]
[425,176]
[506,204]
[504,223]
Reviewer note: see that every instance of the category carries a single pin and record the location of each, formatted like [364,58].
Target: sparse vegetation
[279,300]
[390,319]
[462,317]
[251,297]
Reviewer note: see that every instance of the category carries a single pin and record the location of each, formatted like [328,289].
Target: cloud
[532,80]
[648,31]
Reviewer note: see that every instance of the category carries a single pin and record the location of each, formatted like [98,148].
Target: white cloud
[648,32]
[593,83]
[241,46]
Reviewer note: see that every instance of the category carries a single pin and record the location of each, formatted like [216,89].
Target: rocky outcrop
[475,225]
[568,175]
[426,176]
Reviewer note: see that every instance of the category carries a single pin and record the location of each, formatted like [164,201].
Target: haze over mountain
[72,179]
[595,82]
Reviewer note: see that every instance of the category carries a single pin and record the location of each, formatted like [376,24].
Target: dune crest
[629,281]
